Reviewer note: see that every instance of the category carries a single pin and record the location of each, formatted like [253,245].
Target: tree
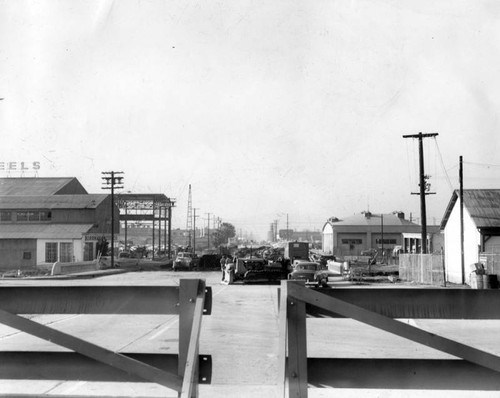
[222,234]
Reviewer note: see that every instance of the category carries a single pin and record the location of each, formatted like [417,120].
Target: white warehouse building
[481,220]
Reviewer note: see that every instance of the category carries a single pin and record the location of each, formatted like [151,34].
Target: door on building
[88,251]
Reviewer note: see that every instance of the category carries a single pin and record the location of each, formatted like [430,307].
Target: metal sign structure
[473,370]
[182,373]
[153,209]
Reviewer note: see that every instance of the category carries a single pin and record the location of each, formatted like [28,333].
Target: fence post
[283,340]
[188,291]
[297,347]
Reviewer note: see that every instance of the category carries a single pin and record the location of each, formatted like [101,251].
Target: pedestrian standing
[223,266]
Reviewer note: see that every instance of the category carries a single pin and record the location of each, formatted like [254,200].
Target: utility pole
[462,250]
[169,231]
[382,233]
[194,228]
[110,181]
[189,220]
[423,186]
[287,230]
[208,232]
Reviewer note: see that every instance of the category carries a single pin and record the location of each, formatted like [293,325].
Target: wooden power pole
[423,186]
[112,181]
[462,255]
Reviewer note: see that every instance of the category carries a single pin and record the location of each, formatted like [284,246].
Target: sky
[271,110]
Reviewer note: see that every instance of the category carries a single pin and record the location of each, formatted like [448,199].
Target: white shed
[481,220]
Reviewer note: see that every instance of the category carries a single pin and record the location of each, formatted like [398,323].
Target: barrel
[478,279]
[486,281]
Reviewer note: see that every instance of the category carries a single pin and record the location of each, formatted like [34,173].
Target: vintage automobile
[310,272]
[369,252]
[186,261]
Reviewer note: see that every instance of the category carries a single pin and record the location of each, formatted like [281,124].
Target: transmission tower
[189,221]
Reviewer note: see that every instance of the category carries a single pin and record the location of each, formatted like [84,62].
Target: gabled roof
[43,231]
[369,219]
[41,186]
[89,201]
[483,206]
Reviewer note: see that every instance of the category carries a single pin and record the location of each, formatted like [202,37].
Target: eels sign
[19,166]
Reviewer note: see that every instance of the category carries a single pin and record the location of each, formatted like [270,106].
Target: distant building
[41,186]
[44,220]
[352,235]
[303,236]
[481,229]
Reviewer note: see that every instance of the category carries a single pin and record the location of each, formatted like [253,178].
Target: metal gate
[474,370]
[182,373]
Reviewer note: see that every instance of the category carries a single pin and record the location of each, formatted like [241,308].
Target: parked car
[369,252]
[310,272]
[322,258]
[185,260]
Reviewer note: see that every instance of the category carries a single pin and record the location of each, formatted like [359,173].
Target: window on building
[386,241]
[34,215]
[66,255]
[26,255]
[352,241]
[22,216]
[45,215]
[88,251]
[50,252]
[5,215]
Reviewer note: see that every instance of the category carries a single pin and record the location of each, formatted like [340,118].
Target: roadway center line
[167,326]
[220,291]
[49,323]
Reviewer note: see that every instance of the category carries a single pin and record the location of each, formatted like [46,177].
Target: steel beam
[401,329]
[422,374]
[417,303]
[139,300]
[190,374]
[90,299]
[51,365]
[297,348]
[117,360]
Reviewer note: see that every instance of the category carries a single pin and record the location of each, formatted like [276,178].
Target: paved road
[242,337]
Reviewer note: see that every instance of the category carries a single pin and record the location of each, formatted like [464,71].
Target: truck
[296,251]
[186,261]
[256,269]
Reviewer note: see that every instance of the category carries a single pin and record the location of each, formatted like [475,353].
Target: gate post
[296,371]
[188,292]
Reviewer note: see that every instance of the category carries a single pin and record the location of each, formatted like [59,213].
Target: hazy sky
[266,108]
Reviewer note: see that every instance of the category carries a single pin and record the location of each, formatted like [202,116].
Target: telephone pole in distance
[423,186]
[111,181]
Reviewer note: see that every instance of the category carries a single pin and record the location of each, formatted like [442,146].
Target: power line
[442,165]
[482,164]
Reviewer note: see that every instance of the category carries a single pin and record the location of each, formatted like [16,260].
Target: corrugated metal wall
[12,254]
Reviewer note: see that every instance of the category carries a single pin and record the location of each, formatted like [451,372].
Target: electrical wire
[488,165]
[450,185]
[409,163]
